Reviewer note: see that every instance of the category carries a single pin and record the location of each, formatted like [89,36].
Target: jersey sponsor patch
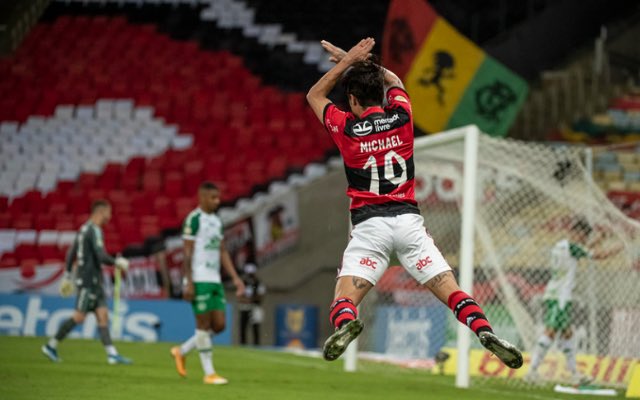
[377,123]
[362,128]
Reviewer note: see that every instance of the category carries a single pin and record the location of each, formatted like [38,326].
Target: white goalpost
[495,208]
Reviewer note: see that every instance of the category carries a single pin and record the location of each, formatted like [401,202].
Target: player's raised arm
[596,249]
[391,80]
[336,54]
[227,264]
[317,96]
[602,253]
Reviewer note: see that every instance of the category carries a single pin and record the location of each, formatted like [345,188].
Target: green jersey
[207,233]
[564,263]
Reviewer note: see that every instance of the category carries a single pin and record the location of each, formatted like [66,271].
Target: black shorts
[89,299]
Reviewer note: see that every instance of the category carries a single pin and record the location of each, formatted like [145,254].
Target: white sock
[568,347]
[53,343]
[203,343]
[188,345]
[111,350]
[539,351]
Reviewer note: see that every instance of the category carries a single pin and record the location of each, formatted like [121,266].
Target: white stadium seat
[7,240]
[64,112]
[8,127]
[66,238]
[48,237]
[182,142]
[84,112]
[26,236]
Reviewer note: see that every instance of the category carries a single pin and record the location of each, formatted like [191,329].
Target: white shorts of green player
[373,242]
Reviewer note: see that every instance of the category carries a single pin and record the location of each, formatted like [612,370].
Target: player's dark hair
[207,185]
[365,80]
[99,204]
[582,225]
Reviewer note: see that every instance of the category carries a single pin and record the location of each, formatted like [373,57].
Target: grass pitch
[253,374]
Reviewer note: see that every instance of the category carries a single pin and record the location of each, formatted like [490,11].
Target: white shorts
[373,241]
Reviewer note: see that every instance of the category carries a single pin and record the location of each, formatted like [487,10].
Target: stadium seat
[8,260]
[49,254]
[28,268]
[5,220]
[27,252]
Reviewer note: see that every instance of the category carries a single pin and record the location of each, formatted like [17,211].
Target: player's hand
[66,287]
[335,53]
[360,51]
[239,287]
[122,263]
[187,291]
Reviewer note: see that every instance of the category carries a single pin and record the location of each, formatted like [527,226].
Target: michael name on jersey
[380,144]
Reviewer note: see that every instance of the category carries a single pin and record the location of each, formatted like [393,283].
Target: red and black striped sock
[468,312]
[342,311]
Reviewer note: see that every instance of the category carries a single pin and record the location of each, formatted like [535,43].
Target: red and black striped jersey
[377,150]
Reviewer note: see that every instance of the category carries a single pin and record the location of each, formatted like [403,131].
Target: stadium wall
[307,274]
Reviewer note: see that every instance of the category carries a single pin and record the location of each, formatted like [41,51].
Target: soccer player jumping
[376,144]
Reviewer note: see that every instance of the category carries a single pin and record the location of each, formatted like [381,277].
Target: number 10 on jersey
[388,174]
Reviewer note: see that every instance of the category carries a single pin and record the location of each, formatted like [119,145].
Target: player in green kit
[204,254]
[558,299]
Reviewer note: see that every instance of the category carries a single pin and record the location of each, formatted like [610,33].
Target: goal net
[527,197]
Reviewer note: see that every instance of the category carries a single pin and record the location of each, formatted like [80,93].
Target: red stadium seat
[184,206]
[65,223]
[33,201]
[168,222]
[163,206]
[131,237]
[5,220]
[9,260]
[28,268]
[147,230]
[174,184]
[24,221]
[27,251]
[79,202]
[50,254]
[64,186]
[45,221]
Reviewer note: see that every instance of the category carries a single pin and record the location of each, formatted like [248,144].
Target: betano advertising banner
[141,320]
[451,81]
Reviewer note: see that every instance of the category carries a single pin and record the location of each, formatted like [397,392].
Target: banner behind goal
[527,196]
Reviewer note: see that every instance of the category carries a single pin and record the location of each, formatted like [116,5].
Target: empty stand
[102,108]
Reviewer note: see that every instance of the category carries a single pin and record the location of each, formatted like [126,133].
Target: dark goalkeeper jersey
[377,149]
[88,250]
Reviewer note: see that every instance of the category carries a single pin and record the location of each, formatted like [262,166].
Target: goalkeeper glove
[122,263]
[66,286]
